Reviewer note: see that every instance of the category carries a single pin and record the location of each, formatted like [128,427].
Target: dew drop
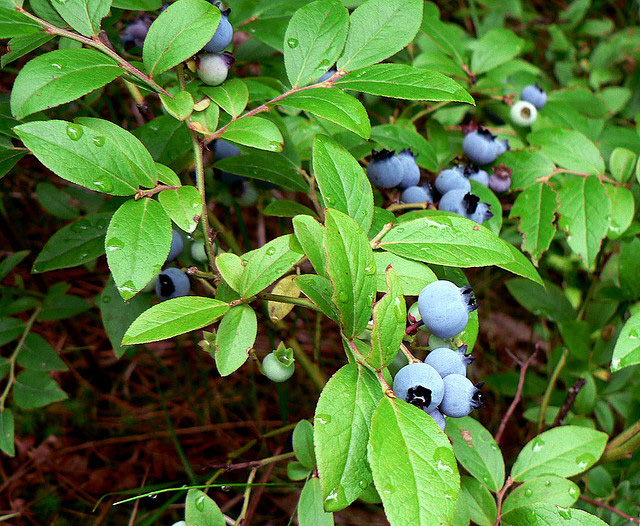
[271,251]
[585,460]
[225,488]
[200,503]
[336,500]
[104,185]
[538,443]
[106,299]
[363,484]
[399,230]
[634,334]
[389,489]
[323,418]
[114,244]
[127,286]
[572,491]
[275,146]
[79,226]
[98,141]
[565,513]
[74,131]
[343,297]
[443,459]
[370,270]
[292,43]
[547,483]
[57,66]
[528,492]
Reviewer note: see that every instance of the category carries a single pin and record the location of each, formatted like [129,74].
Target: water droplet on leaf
[292,43]
[74,131]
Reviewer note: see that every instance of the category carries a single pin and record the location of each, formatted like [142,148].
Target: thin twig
[568,402]
[516,399]
[501,493]
[610,508]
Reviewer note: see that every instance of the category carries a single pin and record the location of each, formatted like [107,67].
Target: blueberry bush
[346,198]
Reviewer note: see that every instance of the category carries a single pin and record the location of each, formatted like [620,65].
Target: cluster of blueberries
[525,111]
[439,385]
[213,64]
[452,187]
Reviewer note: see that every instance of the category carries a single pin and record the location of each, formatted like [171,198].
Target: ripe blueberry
[213,68]
[477,211]
[249,195]
[276,370]
[480,146]
[328,75]
[499,182]
[452,179]
[221,150]
[198,252]
[420,385]
[177,245]
[385,169]
[502,145]
[417,194]
[523,113]
[448,361]
[465,204]
[223,35]
[439,418]
[453,201]
[172,283]
[445,307]
[410,169]
[460,396]
[477,174]
[534,94]
[135,33]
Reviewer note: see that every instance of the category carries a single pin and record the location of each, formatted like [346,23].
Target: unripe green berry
[275,370]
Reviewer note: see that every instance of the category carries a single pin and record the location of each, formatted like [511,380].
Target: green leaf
[273,167]
[38,355]
[536,207]
[7,432]
[10,329]
[446,239]
[75,244]
[401,81]
[379,29]
[482,506]
[542,514]
[10,262]
[318,289]
[179,32]
[569,149]
[413,467]
[352,271]
[341,432]
[232,96]
[56,201]
[36,389]
[137,244]
[310,508]
[494,48]
[627,349]
[629,268]
[287,208]
[564,451]
[231,269]
[201,510]
[235,338]
[70,151]
[8,159]
[60,76]
[446,36]
[621,164]
[585,215]
[389,315]
[622,210]
[548,301]
[20,46]
[314,40]
[310,235]
[166,175]
[269,263]
[413,275]
[183,205]
[118,315]
[14,24]
[477,451]
[207,119]
[83,15]
[521,266]
[180,106]
[173,317]
[335,106]
[256,132]
[342,181]
[548,490]
[527,167]
[303,444]
[394,137]
[168,141]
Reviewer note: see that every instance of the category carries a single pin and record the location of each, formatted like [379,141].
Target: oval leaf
[183,205]
[235,338]
[255,132]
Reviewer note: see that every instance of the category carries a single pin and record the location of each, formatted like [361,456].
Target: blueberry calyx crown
[382,154]
[470,169]
[478,398]
[167,287]
[468,298]
[486,133]
[467,359]
[226,12]
[471,202]
[419,396]
[408,151]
